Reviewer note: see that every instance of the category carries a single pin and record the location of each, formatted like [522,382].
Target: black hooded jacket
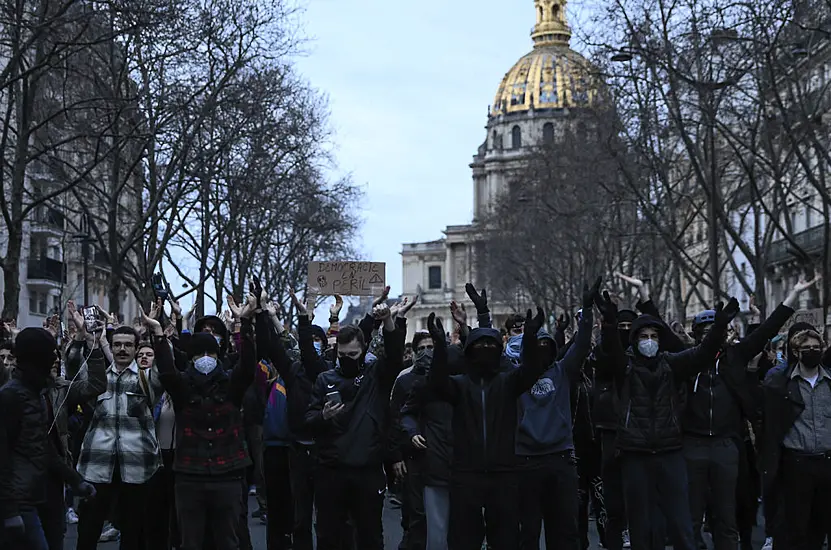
[720,396]
[650,390]
[485,407]
[359,435]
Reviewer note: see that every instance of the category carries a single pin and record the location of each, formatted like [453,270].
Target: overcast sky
[409,84]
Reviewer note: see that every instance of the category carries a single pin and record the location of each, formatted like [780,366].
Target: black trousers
[612,489]
[276,465]
[132,501]
[652,482]
[713,472]
[549,492]
[208,508]
[52,514]
[343,492]
[417,528]
[301,471]
[807,484]
[498,495]
[589,459]
[160,532]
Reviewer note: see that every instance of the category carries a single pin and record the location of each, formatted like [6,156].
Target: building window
[516,138]
[33,302]
[548,133]
[38,303]
[434,277]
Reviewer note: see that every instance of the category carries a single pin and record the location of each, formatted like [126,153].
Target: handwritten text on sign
[347,278]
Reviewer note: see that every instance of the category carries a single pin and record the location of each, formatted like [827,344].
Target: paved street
[392,533]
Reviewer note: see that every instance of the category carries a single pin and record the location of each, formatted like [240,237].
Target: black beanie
[35,347]
[626,316]
[202,343]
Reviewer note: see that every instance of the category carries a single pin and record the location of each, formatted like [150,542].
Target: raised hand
[175,307]
[150,322]
[479,300]
[298,305]
[458,312]
[608,309]
[562,322]
[408,305]
[334,309]
[381,312]
[250,308]
[637,283]
[589,293]
[382,298]
[257,291]
[725,314]
[396,308]
[436,330]
[236,310]
[533,324]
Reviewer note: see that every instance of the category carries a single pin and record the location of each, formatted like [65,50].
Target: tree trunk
[11,273]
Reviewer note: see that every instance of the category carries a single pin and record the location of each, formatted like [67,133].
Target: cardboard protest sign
[347,278]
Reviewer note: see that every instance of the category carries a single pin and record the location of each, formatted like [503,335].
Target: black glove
[608,309]
[257,290]
[562,322]
[589,293]
[479,300]
[436,330]
[534,324]
[725,314]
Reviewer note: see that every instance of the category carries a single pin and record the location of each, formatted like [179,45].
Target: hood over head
[320,333]
[643,322]
[480,334]
[36,353]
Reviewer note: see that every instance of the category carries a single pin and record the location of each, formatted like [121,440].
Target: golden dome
[552,75]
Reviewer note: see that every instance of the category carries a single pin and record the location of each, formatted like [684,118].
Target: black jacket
[426,415]
[719,397]
[26,455]
[358,436]
[650,390]
[485,409]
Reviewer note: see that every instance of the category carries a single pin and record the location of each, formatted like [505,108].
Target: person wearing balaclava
[545,442]
[484,400]
[26,454]
[349,418]
[211,456]
[719,399]
[649,437]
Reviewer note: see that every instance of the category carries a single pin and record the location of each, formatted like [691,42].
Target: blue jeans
[437,510]
[33,537]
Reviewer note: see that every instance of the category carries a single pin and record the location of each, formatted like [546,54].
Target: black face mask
[485,361]
[349,367]
[624,338]
[811,358]
[422,360]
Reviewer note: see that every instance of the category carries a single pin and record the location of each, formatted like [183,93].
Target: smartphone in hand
[334,397]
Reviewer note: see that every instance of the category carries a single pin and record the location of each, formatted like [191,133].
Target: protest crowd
[504,438]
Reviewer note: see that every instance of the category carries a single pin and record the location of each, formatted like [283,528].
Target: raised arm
[393,362]
[531,365]
[573,360]
[613,363]
[439,376]
[169,375]
[480,300]
[688,363]
[754,343]
[243,374]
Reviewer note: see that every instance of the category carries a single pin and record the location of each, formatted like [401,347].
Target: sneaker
[109,534]
[71,516]
[395,501]
[252,491]
[768,544]
[258,513]
[264,519]
[626,542]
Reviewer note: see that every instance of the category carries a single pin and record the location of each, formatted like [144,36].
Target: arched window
[516,138]
[548,133]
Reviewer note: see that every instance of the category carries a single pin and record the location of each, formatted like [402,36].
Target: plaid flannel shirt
[122,430]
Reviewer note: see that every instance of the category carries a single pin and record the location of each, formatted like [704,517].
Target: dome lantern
[552,25]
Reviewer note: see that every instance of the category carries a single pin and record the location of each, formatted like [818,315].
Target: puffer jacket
[651,390]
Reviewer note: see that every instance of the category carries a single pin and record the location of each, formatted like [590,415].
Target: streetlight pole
[714,200]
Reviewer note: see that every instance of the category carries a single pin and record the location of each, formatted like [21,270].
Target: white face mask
[648,348]
[205,364]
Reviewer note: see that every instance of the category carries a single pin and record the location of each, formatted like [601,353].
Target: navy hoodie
[544,419]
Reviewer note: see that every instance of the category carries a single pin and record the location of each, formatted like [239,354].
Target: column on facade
[449,268]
